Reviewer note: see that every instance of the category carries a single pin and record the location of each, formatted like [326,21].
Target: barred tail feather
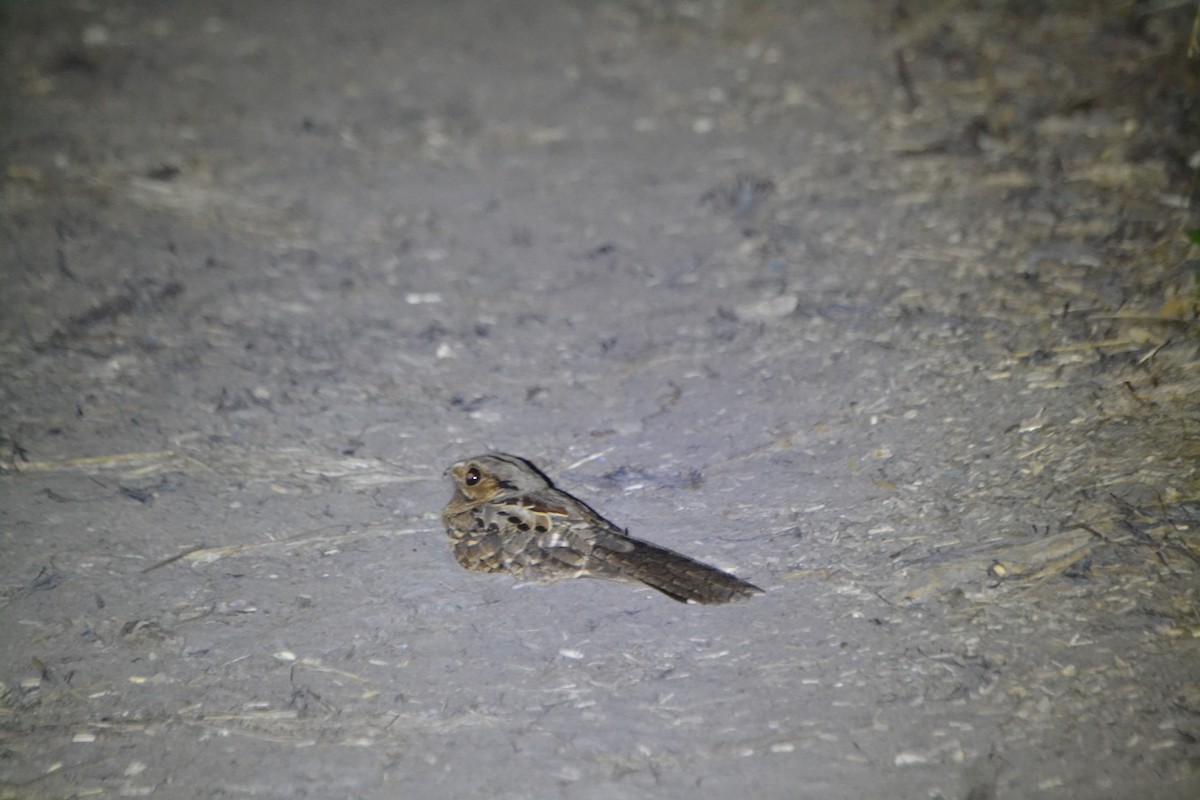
[675,575]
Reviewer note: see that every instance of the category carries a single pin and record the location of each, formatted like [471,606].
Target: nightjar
[506,516]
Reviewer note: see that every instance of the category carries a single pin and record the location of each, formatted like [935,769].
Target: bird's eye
[472,477]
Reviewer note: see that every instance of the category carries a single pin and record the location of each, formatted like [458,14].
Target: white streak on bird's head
[495,476]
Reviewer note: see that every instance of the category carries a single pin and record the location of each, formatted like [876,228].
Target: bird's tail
[673,574]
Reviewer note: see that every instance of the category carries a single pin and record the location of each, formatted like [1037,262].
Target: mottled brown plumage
[506,516]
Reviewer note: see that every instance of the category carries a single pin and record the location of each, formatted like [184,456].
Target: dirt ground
[888,307]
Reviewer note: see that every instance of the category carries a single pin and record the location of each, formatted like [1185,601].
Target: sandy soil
[887,307]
